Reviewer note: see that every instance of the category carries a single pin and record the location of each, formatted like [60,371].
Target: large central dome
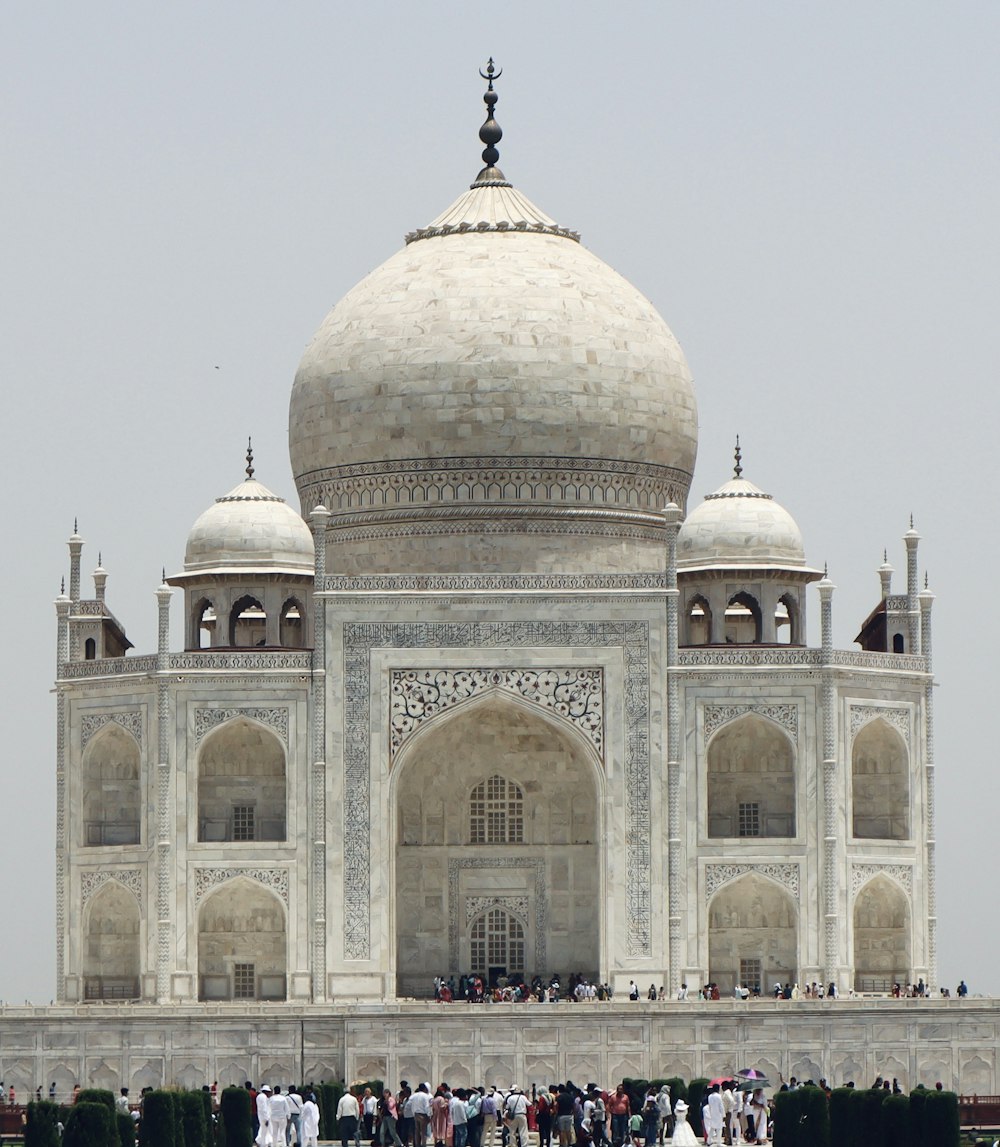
[493,398]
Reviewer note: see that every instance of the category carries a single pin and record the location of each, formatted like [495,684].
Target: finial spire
[885,554]
[911,521]
[62,586]
[163,574]
[738,455]
[490,133]
[249,458]
[927,583]
[76,529]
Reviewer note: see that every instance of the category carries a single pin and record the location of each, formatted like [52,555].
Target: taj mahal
[492,696]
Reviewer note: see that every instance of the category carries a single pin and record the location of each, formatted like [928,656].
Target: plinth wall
[951,1041]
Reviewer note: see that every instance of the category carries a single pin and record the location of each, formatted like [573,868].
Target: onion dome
[249,530]
[493,397]
[739,525]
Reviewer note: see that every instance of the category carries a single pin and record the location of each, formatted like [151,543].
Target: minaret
[885,572]
[63,606]
[164,832]
[831,858]
[319,519]
[75,544]
[912,540]
[100,580]
[672,517]
[926,599]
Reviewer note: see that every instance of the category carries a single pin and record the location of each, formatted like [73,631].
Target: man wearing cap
[516,1109]
[263,1104]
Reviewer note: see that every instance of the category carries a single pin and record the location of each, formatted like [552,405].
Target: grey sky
[808,193]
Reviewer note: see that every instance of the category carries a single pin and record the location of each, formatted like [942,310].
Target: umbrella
[751,1073]
[751,1084]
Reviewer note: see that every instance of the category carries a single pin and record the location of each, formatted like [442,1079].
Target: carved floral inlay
[902,874]
[91,723]
[130,878]
[419,694]
[716,875]
[787,716]
[205,720]
[205,879]
[899,719]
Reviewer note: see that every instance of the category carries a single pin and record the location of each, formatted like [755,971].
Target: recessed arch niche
[881,936]
[110,778]
[242,950]
[111,944]
[241,784]
[752,935]
[448,876]
[880,783]
[751,780]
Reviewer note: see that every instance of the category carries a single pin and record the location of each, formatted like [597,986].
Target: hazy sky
[807,192]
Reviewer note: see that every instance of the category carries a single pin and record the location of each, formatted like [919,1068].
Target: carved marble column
[63,605]
[926,599]
[672,517]
[831,792]
[912,540]
[75,550]
[164,835]
[319,519]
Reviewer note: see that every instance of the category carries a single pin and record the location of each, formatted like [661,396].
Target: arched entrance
[880,783]
[881,936]
[111,956]
[752,935]
[111,788]
[241,784]
[497,823]
[241,944]
[751,780]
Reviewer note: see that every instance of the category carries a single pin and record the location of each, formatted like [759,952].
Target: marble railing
[766,656]
[208,660]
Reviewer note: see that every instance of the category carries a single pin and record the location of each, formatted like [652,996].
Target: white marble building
[499,701]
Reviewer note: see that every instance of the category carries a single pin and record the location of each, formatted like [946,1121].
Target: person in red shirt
[618,1106]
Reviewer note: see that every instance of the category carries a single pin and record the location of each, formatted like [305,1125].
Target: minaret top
[249,458]
[490,133]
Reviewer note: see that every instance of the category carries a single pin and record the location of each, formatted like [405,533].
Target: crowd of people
[563,1115]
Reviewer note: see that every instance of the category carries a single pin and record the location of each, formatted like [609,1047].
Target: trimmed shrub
[234,1117]
[175,1097]
[159,1119]
[896,1121]
[786,1119]
[126,1129]
[918,1117]
[328,1096]
[840,1116]
[814,1117]
[99,1095]
[941,1108]
[41,1128]
[193,1118]
[89,1125]
[695,1099]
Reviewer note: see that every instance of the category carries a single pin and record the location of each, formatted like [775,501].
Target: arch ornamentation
[787,716]
[719,875]
[575,694]
[898,719]
[91,723]
[276,719]
[275,880]
[901,874]
[541,921]
[129,878]
[517,906]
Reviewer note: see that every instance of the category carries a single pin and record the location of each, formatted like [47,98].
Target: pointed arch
[882,936]
[744,620]
[752,934]
[292,624]
[788,620]
[204,624]
[247,623]
[110,777]
[241,784]
[751,786]
[111,966]
[880,783]
[496,812]
[698,620]
[242,943]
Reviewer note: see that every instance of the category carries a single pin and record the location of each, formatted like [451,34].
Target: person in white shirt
[310,1122]
[716,1116]
[294,1117]
[516,1109]
[420,1105]
[348,1114]
[279,1117]
[264,1138]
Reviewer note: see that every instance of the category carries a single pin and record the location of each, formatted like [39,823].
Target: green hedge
[941,1108]
[89,1125]
[234,1117]
[159,1119]
[896,1121]
[918,1117]
[695,1099]
[41,1128]
[126,1128]
[193,1119]
[678,1090]
[841,1116]
[99,1095]
[786,1118]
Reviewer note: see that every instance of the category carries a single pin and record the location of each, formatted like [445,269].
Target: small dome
[249,529]
[740,525]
